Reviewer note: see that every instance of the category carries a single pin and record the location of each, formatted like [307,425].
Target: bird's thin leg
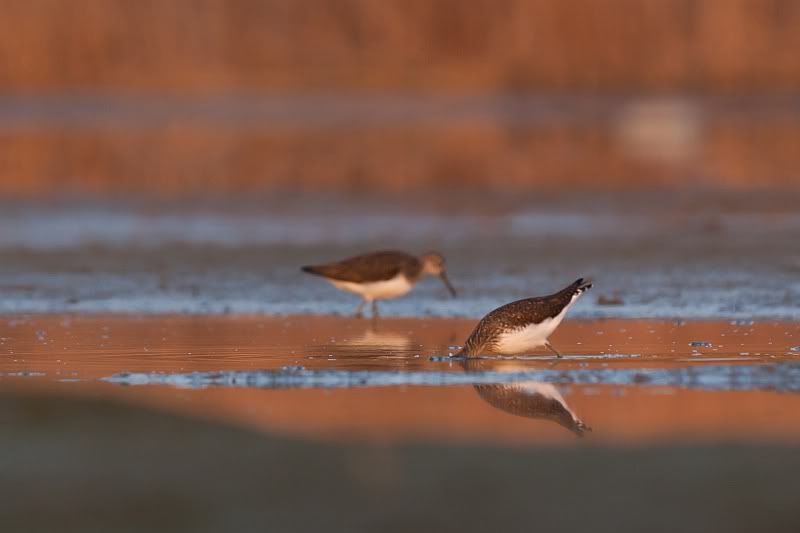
[360,309]
[547,343]
[375,313]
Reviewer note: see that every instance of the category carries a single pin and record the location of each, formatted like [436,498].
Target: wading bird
[381,275]
[519,327]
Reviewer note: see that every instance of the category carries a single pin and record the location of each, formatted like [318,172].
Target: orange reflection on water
[87,348]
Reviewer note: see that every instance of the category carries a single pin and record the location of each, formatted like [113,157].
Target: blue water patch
[778,377]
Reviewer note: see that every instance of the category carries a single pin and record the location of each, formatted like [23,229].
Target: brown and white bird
[381,275]
[522,326]
[530,399]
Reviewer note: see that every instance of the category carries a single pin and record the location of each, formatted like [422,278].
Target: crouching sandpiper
[381,275]
[519,327]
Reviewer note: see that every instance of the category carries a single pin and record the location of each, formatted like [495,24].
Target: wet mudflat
[391,380]
[697,256]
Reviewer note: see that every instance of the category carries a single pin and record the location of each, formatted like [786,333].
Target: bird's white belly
[531,336]
[525,339]
[377,290]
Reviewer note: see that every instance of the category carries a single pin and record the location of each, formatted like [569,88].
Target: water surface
[344,379]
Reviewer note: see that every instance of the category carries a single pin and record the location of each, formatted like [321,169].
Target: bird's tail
[311,269]
[581,285]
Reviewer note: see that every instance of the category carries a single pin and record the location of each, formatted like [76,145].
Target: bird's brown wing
[377,266]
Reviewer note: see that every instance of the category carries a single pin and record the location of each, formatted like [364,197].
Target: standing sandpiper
[381,275]
[524,325]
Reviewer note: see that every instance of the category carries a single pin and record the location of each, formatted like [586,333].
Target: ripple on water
[783,377]
[701,344]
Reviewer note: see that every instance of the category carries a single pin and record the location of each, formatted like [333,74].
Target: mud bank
[142,470]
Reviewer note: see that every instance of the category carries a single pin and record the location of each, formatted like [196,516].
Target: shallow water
[336,378]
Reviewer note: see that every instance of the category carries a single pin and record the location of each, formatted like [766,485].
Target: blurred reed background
[184,98]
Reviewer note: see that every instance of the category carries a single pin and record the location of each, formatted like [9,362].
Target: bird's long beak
[447,284]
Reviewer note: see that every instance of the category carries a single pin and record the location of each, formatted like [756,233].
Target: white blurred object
[668,130]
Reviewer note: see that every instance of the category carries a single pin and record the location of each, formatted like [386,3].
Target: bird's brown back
[371,267]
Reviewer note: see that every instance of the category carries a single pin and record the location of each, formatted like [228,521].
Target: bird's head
[433,264]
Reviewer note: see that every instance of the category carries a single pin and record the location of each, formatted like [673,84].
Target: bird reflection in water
[367,340]
[530,399]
